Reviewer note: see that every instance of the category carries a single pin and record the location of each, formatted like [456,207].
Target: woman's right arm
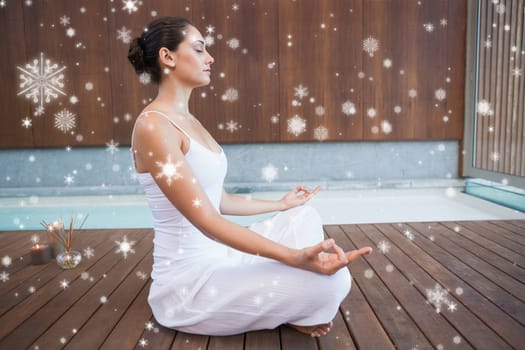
[158,146]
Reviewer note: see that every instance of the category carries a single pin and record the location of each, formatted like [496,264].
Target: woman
[212,276]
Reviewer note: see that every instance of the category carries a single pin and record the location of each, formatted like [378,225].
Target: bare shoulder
[152,127]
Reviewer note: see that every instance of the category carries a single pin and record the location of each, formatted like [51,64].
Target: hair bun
[136,55]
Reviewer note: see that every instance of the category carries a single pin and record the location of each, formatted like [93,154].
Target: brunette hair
[143,51]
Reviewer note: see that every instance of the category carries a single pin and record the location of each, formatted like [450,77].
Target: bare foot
[315,330]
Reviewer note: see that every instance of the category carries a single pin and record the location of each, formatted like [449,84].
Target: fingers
[355,254]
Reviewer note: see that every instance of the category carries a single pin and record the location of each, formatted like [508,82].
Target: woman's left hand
[298,196]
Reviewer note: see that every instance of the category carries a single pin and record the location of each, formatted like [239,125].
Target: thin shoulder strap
[169,119]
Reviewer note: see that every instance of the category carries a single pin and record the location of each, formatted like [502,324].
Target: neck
[174,95]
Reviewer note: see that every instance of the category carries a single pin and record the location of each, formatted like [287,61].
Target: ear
[166,58]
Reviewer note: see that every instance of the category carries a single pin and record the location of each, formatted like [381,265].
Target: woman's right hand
[327,257]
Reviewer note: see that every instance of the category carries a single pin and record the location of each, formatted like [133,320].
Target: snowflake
[370,45]
[41,82]
[26,122]
[412,93]
[269,173]
[89,252]
[321,133]
[125,247]
[384,247]
[440,94]
[65,120]
[112,147]
[438,297]
[517,72]
[169,170]
[70,32]
[65,20]
[386,127]
[319,111]
[209,40]
[443,22]
[408,235]
[233,43]
[145,78]
[485,108]
[124,34]
[274,119]
[142,275]
[197,202]
[500,9]
[300,91]
[387,63]
[4,276]
[348,108]
[69,179]
[130,5]
[143,342]
[235,7]
[371,112]
[429,27]
[103,299]
[210,29]
[230,95]
[64,284]
[6,260]
[296,125]
[232,126]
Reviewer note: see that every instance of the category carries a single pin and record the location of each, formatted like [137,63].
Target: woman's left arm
[232,204]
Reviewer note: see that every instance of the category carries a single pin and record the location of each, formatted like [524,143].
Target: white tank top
[177,242]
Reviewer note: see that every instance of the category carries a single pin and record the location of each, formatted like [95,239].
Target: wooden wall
[500,127]
[294,64]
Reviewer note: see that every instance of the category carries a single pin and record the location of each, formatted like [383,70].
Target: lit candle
[40,254]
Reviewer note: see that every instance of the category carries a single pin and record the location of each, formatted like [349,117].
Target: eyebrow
[199,42]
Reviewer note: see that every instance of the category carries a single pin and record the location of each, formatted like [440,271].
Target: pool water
[335,207]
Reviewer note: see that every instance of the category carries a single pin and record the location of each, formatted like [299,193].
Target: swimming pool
[335,207]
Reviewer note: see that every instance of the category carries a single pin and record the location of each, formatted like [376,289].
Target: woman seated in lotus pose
[212,276]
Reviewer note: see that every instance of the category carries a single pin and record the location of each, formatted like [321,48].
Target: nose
[210,59]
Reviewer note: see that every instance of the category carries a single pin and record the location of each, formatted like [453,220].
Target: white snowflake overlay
[65,120]
[124,35]
[438,297]
[296,125]
[41,82]
[370,45]
[269,173]
[230,95]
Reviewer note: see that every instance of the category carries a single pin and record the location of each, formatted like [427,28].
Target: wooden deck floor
[473,271]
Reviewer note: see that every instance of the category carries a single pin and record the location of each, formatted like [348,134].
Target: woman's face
[192,61]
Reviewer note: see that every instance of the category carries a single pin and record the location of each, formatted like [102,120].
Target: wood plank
[187,341]
[232,342]
[160,338]
[41,275]
[398,324]
[512,232]
[486,287]
[520,224]
[435,232]
[263,339]
[95,320]
[508,328]
[362,321]
[291,338]
[51,304]
[468,325]
[432,324]
[479,250]
[339,336]
[474,232]
[129,329]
